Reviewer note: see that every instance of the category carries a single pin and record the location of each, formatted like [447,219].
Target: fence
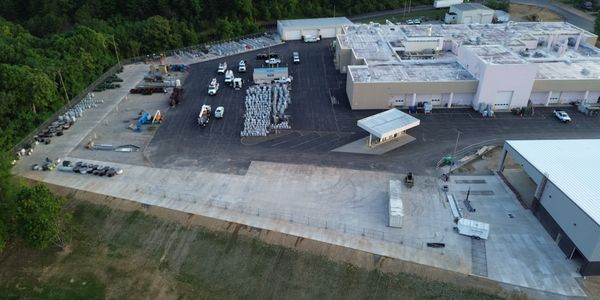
[27,140]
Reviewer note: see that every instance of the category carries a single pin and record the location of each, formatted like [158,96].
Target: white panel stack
[396,208]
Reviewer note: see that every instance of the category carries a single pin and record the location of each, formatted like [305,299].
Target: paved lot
[519,250]
[318,125]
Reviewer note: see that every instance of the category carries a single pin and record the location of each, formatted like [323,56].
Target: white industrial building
[484,66]
[566,193]
[291,30]
[467,13]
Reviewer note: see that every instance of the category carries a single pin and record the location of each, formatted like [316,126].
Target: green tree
[38,216]
[597,25]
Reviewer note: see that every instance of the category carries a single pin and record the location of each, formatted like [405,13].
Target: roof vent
[585,71]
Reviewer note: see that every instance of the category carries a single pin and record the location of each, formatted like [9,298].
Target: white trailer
[445,3]
[396,207]
[474,229]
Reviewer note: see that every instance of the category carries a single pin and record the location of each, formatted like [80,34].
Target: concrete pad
[519,250]
[361,146]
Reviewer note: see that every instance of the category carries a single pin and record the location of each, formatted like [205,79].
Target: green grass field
[133,256]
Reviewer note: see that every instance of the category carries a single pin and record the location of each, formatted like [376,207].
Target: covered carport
[388,126]
[387,131]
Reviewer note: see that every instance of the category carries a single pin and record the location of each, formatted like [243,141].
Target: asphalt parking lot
[320,124]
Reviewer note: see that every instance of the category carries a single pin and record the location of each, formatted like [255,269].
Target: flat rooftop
[424,71]
[573,166]
[470,6]
[496,54]
[314,23]
[511,43]
[388,122]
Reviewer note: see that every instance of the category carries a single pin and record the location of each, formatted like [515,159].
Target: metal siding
[572,166]
[580,228]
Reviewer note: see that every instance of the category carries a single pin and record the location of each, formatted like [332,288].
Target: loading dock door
[436,99]
[503,99]
[292,35]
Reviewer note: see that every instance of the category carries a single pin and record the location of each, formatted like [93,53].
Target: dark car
[262,56]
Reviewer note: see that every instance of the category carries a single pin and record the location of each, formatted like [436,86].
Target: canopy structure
[388,125]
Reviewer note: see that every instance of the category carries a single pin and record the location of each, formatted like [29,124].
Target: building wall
[580,228]
[376,95]
[539,98]
[573,85]
[481,16]
[499,78]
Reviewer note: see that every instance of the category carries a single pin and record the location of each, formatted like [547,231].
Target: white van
[229,77]
[311,39]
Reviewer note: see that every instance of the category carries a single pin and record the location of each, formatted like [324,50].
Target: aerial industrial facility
[492,66]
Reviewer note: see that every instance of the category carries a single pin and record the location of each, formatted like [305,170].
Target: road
[571,15]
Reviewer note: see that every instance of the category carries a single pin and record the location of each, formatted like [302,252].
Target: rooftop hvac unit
[585,71]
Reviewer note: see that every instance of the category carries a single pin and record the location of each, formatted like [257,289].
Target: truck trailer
[474,229]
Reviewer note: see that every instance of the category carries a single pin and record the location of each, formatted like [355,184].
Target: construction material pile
[77,110]
[265,109]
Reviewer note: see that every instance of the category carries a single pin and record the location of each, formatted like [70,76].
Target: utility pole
[334,10]
[116,52]
[64,88]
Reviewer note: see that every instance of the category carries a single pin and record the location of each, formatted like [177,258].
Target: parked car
[262,56]
[213,87]
[296,57]
[273,61]
[222,68]
[242,66]
[283,80]
[562,116]
[219,112]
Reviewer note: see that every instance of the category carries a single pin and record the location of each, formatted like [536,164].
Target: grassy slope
[130,255]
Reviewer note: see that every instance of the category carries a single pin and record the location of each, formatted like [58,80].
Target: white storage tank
[396,207]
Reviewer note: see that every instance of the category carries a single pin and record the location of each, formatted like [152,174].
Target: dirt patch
[524,13]
[487,164]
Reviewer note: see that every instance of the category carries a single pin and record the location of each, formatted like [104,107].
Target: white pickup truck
[213,87]
[222,68]
[562,116]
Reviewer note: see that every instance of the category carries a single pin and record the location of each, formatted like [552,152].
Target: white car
[562,116]
[296,57]
[273,61]
[213,87]
[283,80]
[219,112]
[222,68]
[229,77]
[410,22]
[242,66]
